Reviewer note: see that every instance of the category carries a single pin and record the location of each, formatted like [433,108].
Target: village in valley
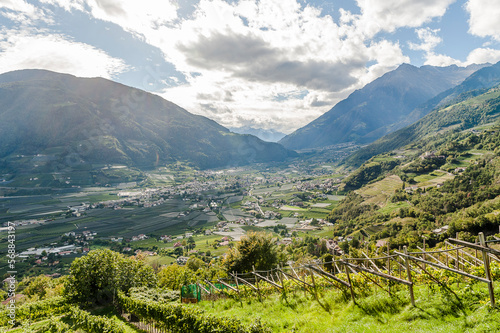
[201,213]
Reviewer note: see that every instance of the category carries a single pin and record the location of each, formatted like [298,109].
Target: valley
[100,221]
[174,203]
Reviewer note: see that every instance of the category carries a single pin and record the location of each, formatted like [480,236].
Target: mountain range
[49,121]
[269,135]
[458,107]
[69,121]
[379,108]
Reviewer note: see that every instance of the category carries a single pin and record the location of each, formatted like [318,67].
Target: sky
[272,64]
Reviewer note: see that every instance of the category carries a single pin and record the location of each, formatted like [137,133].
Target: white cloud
[27,49]
[441,60]
[476,56]
[270,49]
[484,15]
[388,15]
[139,17]
[483,55]
[21,12]
[241,58]
[66,4]
[429,40]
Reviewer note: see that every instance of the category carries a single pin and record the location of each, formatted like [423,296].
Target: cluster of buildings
[307,225]
[138,238]
[20,223]
[86,235]
[324,185]
[428,155]
[61,250]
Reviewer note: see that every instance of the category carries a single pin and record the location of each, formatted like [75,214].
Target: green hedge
[179,319]
[94,324]
[35,310]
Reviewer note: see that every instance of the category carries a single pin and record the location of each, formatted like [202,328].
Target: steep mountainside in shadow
[78,121]
[368,114]
[453,108]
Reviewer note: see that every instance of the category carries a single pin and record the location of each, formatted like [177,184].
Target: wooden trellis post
[389,265]
[486,260]
[408,272]
[331,276]
[314,284]
[257,284]
[349,280]
[278,275]
[425,258]
[274,284]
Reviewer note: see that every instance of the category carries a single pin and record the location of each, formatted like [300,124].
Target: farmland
[208,205]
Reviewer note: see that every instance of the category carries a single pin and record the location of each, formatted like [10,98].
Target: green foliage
[154,294]
[194,263]
[462,202]
[94,324]
[36,310]
[475,185]
[255,249]
[39,286]
[179,318]
[54,325]
[352,213]
[96,277]
[367,173]
[420,166]
[173,277]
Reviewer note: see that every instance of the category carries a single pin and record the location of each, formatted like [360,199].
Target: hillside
[450,111]
[368,114]
[50,121]
[269,135]
[447,175]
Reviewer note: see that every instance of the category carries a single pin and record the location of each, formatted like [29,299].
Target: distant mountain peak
[368,113]
[269,135]
[91,121]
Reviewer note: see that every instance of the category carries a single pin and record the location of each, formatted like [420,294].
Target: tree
[96,277]
[174,277]
[328,262]
[39,286]
[355,243]
[344,246]
[51,257]
[178,251]
[191,244]
[254,249]
[194,263]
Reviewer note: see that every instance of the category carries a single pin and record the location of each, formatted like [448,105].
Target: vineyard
[457,270]
[401,267]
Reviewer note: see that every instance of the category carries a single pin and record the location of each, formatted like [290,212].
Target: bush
[177,318]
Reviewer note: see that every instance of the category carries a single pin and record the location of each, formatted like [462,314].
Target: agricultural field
[171,201]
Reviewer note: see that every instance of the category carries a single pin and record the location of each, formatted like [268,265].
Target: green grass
[377,312]
[252,228]
[294,208]
[315,214]
[389,208]
[112,313]
[373,229]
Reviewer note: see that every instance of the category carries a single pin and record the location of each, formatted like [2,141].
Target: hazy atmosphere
[249,166]
[266,64]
